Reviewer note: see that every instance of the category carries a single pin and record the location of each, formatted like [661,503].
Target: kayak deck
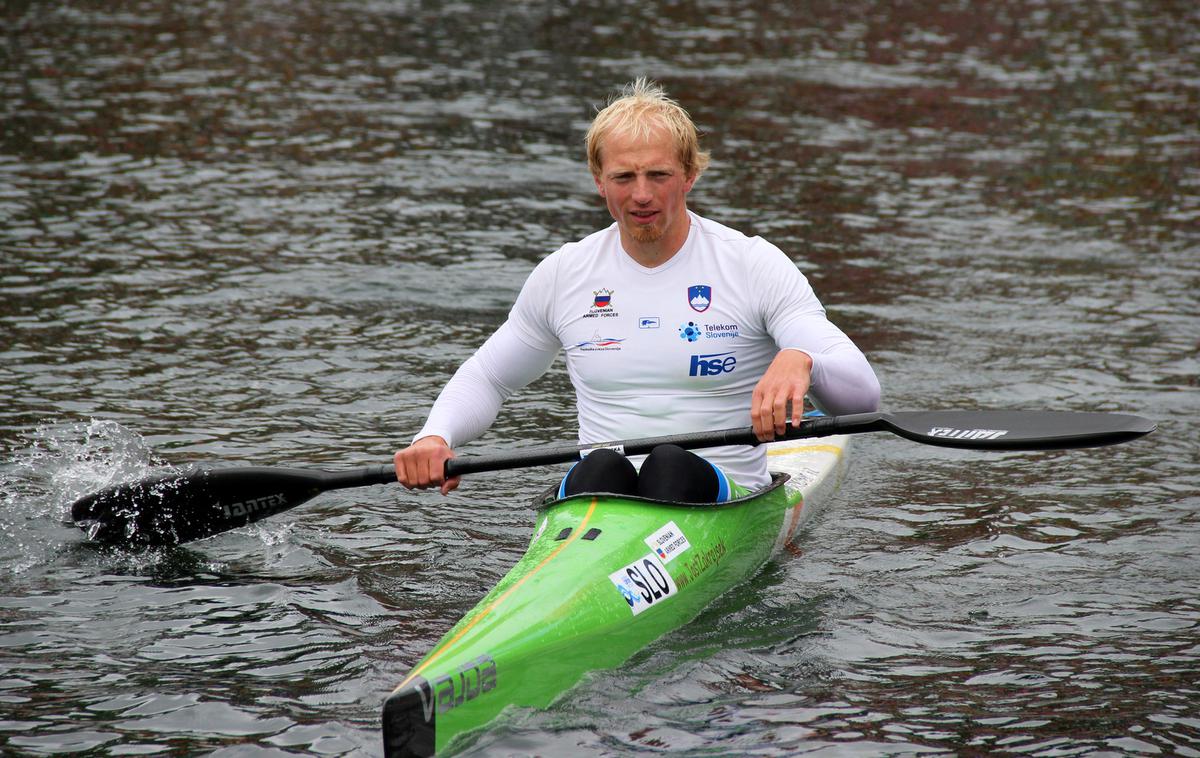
[603,577]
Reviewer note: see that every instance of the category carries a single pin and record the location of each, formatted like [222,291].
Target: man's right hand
[423,465]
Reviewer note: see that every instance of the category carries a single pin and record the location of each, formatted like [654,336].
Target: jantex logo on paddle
[267,504]
[967,434]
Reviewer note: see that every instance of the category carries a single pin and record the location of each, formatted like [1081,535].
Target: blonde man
[670,323]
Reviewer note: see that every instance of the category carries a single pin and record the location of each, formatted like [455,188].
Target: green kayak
[603,577]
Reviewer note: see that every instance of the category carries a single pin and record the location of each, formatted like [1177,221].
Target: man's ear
[599,185]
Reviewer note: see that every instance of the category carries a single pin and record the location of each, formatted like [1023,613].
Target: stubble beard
[648,232]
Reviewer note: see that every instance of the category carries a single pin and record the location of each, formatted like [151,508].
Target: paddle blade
[181,507]
[1016,430]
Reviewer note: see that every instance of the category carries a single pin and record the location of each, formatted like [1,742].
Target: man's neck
[656,253]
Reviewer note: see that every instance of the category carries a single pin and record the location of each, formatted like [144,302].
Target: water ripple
[227,236]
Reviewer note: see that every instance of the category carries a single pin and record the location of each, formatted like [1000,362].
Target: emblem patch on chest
[699,297]
[602,304]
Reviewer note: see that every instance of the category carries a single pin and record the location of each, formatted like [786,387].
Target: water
[265,233]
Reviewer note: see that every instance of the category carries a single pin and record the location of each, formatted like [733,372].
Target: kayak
[603,577]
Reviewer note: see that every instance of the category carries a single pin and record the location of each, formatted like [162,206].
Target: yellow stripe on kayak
[835,449]
[793,517]
[495,603]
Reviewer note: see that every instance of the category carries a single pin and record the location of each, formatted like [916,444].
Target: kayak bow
[603,577]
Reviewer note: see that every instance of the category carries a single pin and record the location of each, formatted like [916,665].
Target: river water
[264,233]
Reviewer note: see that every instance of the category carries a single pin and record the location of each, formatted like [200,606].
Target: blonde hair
[640,109]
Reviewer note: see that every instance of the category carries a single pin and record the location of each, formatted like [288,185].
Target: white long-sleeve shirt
[666,350]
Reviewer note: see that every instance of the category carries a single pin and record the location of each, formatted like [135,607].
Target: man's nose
[641,191]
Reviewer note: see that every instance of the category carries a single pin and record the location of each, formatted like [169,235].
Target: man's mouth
[644,217]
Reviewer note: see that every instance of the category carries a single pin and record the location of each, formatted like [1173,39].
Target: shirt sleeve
[520,351]
[842,378]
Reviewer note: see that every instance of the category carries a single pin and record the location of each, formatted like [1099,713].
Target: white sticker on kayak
[585,452]
[644,583]
[668,542]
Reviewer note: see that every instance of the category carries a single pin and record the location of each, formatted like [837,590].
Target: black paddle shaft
[970,430]
[180,507]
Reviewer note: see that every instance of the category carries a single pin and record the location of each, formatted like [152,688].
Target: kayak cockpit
[549,497]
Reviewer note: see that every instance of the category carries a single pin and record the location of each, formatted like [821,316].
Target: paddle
[180,507]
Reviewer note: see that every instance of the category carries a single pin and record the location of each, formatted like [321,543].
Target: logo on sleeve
[700,297]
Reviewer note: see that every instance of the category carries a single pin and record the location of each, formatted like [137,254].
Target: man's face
[645,187]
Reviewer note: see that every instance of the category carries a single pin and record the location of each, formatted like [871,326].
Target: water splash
[58,464]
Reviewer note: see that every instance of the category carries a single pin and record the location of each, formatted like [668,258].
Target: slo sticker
[644,583]
[668,542]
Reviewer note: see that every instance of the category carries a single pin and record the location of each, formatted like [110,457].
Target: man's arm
[468,405]
[815,357]
[848,385]
[784,384]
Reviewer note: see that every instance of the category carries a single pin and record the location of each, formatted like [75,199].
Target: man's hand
[423,465]
[785,381]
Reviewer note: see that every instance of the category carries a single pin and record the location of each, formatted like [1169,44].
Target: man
[670,322]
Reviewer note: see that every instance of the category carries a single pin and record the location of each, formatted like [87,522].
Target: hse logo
[712,364]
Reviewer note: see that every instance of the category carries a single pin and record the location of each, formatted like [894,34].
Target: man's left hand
[785,382]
